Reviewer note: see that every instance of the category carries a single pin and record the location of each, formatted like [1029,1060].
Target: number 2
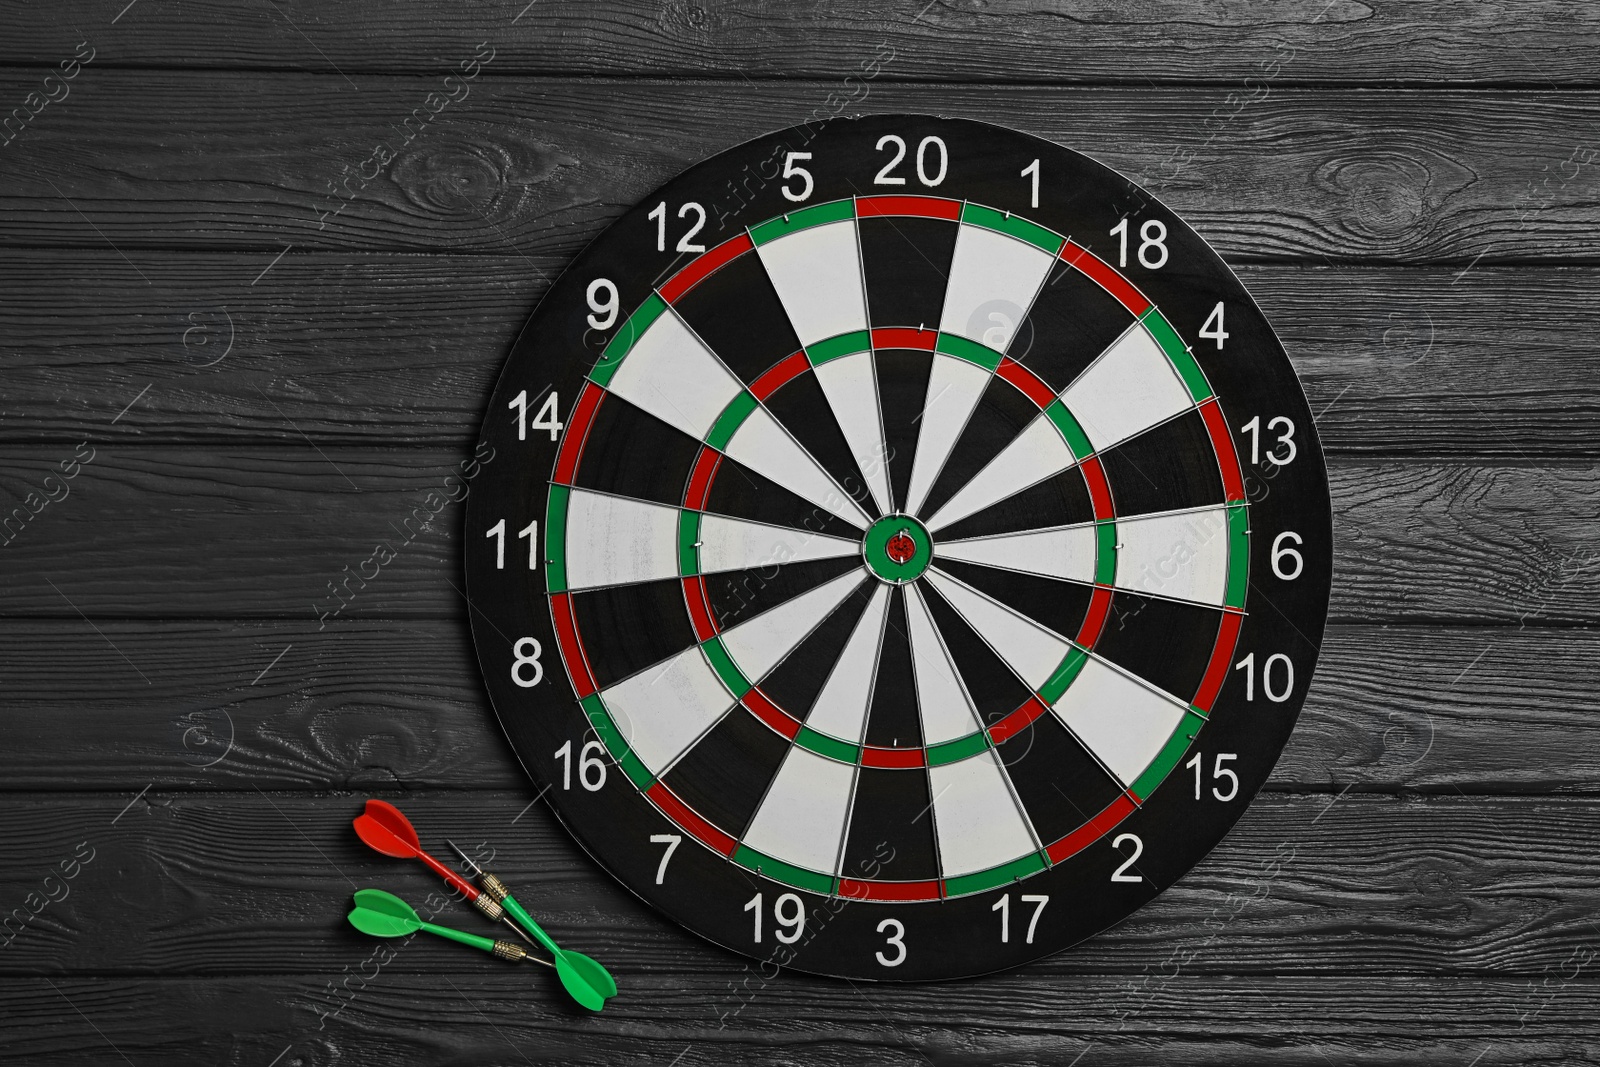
[1133,857]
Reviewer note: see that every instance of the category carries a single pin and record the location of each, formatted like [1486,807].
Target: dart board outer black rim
[1183,580]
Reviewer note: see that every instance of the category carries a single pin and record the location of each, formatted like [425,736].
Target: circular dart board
[904,548]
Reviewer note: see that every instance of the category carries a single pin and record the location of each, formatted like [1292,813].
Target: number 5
[792,171]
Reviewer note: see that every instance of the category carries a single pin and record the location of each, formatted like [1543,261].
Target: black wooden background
[232,355]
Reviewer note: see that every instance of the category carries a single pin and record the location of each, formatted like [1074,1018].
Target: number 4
[1212,330]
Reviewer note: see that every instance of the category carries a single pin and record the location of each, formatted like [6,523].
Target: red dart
[384,829]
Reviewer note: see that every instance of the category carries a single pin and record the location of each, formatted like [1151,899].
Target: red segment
[769,382]
[1094,620]
[685,817]
[1106,277]
[930,207]
[896,758]
[694,594]
[1221,654]
[860,889]
[758,705]
[699,269]
[705,469]
[1017,721]
[904,337]
[1029,382]
[571,647]
[1093,830]
[1222,444]
[577,430]
[1099,491]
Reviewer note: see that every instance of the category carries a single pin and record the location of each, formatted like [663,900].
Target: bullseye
[897,549]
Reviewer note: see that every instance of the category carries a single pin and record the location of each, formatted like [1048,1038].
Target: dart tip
[468,860]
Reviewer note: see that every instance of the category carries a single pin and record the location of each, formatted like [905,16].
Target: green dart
[386,915]
[589,983]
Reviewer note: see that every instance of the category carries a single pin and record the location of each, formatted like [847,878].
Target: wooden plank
[229,532]
[385,705]
[1172,41]
[396,348]
[1305,885]
[708,1020]
[538,167]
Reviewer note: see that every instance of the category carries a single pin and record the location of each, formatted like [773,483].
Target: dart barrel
[490,906]
[493,889]
[507,950]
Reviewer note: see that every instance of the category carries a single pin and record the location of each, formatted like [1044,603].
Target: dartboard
[900,550]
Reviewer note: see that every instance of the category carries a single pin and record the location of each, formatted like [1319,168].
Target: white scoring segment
[841,707]
[1123,722]
[993,280]
[1066,552]
[675,377]
[739,545]
[851,385]
[1130,387]
[817,273]
[663,709]
[942,701]
[759,644]
[768,449]
[954,388]
[1182,555]
[802,818]
[612,540]
[975,816]
[1028,649]
[1037,453]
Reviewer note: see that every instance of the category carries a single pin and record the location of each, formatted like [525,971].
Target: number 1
[1033,169]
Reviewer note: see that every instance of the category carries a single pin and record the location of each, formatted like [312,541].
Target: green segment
[780,871]
[995,877]
[897,536]
[1105,553]
[612,738]
[955,345]
[843,345]
[1011,225]
[1238,556]
[726,669]
[555,539]
[772,229]
[738,409]
[1168,757]
[823,745]
[1071,664]
[1178,352]
[688,536]
[1076,439]
[959,749]
[626,338]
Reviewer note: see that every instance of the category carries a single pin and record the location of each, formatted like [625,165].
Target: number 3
[896,939]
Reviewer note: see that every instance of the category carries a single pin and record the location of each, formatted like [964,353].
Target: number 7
[672,841]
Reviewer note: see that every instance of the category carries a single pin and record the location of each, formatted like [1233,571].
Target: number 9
[605,311]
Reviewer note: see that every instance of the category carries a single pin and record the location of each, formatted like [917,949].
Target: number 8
[525,658]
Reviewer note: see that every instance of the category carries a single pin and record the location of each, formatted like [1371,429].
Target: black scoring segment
[1061,786]
[802,408]
[726,773]
[995,689]
[1050,602]
[795,684]
[894,720]
[906,262]
[620,434]
[1166,642]
[892,808]
[742,493]
[1059,501]
[737,314]
[616,644]
[902,391]
[740,595]
[1166,468]
[1071,322]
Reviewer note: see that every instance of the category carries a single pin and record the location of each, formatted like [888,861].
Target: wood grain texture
[538,167]
[233,532]
[387,705]
[1304,885]
[1346,1019]
[395,348]
[1066,41]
